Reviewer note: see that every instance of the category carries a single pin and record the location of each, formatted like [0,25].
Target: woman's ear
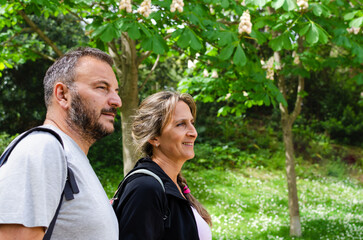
[62,95]
[154,141]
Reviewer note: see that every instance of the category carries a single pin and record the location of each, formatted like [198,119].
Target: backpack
[70,187]
[117,196]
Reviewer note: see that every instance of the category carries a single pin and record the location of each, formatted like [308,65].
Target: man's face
[94,99]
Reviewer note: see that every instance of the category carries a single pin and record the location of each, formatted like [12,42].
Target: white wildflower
[126,4]
[205,73]
[245,24]
[245,93]
[243,3]
[145,8]
[177,5]
[214,74]
[303,4]
[227,96]
[353,30]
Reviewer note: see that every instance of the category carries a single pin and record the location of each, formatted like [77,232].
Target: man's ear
[62,95]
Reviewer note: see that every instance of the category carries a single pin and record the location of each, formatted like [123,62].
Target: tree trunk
[287,120]
[126,64]
[295,226]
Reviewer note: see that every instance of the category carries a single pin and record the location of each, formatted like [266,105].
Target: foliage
[106,152]
[21,90]
[5,139]
[333,106]
[21,103]
[327,44]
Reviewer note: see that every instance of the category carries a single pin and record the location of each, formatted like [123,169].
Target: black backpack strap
[70,187]
[4,157]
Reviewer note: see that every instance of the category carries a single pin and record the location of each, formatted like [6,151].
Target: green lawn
[252,203]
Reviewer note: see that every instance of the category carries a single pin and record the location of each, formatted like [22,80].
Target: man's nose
[115,100]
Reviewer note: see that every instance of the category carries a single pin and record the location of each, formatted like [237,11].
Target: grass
[251,203]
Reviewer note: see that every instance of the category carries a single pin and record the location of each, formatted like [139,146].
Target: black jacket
[143,205]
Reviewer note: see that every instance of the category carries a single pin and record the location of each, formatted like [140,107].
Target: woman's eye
[180,124]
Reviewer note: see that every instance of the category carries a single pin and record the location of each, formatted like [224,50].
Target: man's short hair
[64,69]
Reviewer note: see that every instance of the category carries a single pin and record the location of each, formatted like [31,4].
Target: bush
[5,140]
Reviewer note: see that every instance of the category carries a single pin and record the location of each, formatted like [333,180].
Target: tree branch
[149,75]
[40,33]
[301,85]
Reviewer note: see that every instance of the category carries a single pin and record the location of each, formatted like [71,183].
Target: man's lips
[109,112]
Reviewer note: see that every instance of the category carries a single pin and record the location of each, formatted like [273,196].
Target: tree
[216,35]
[131,33]
[295,39]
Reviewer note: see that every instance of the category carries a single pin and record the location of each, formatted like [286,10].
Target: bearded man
[81,96]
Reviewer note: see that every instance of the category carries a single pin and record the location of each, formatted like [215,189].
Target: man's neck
[75,134]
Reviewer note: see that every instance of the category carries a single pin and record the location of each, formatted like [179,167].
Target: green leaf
[260,3]
[99,30]
[226,38]
[109,33]
[239,57]
[286,41]
[227,52]
[194,41]
[225,3]
[134,31]
[261,39]
[359,78]
[159,45]
[2,66]
[323,37]
[312,36]
[289,5]
[184,39]
[277,4]
[304,30]
[356,22]
[147,44]
[145,30]
[317,9]
[350,15]
[276,43]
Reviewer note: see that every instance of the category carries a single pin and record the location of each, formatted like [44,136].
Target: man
[81,96]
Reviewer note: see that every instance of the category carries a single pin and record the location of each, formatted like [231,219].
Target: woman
[163,130]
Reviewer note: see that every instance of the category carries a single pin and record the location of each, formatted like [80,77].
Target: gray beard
[84,120]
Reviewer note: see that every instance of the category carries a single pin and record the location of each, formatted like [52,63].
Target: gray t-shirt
[32,181]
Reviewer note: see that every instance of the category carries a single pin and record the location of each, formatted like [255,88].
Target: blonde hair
[153,114]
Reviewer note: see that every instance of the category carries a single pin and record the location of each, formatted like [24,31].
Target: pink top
[204,230]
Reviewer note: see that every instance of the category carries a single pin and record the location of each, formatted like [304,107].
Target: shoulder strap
[70,185]
[116,198]
[4,157]
[147,172]
[122,183]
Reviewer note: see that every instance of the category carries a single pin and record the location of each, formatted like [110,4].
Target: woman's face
[176,142]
